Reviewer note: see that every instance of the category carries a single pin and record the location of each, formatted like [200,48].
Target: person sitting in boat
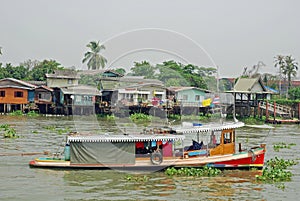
[213,141]
[195,146]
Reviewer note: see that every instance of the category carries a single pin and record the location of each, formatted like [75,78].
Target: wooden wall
[10,96]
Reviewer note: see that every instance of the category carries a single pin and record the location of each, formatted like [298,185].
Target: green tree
[39,71]
[143,68]
[30,64]
[294,93]
[186,75]
[171,73]
[93,57]
[290,69]
[10,71]
[287,67]
[121,71]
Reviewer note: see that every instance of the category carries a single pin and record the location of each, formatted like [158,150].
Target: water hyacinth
[199,172]
[282,145]
[275,171]
[9,132]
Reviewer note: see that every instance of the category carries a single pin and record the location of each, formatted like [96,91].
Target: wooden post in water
[258,109]
[267,110]
[274,110]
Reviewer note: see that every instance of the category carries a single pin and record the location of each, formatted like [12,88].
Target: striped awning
[124,138]
[209,127]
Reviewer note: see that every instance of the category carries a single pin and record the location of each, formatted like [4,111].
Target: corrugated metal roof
[20,82]
[64,74]
[81,90]
[176,89]
[124,138]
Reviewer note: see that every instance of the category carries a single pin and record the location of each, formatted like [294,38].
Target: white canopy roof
[208,127]
[124,138]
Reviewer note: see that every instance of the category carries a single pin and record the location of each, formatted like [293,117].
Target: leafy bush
[294,93]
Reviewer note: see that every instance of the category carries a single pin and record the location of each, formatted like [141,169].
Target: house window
[197,98]
[2,93]
[44,96]
[70,81]
[18,94]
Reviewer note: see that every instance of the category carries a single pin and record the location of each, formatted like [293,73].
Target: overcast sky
[231,34]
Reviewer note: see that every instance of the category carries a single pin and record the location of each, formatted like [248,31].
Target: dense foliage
[29,70]
[294,93]
[173,73]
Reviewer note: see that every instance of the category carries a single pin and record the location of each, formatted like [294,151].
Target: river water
[38,134]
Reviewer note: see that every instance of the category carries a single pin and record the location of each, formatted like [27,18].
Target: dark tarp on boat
[102,152]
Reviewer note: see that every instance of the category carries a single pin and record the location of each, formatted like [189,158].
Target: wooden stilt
[267,110]
[258,109]
[274,110]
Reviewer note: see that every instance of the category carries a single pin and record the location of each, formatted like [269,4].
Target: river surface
[38,134]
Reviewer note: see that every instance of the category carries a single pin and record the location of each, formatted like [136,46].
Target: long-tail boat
[157,148]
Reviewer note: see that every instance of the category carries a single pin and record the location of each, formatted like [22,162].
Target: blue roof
[271,89]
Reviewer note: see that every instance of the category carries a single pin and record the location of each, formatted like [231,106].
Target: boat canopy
[208,127]
[124,138]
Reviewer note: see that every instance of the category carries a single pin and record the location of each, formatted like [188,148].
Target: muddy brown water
[38,134]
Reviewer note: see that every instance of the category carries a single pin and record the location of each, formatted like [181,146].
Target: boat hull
[241,160]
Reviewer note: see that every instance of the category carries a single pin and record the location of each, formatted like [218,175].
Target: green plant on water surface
[275,172]
[16,113]
[137,178]
[50,127]
[282,145]
[9,132]
[33,114]
[110,117]
[140,117]
[63,130]
[281,163]
[198,172]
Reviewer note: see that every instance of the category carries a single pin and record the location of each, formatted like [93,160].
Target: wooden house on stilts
[15,94]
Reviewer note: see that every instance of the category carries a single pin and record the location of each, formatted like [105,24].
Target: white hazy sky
[231,34]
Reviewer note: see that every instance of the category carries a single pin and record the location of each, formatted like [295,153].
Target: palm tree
[280,62]
[290,68]
[93,56]
[0,50]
